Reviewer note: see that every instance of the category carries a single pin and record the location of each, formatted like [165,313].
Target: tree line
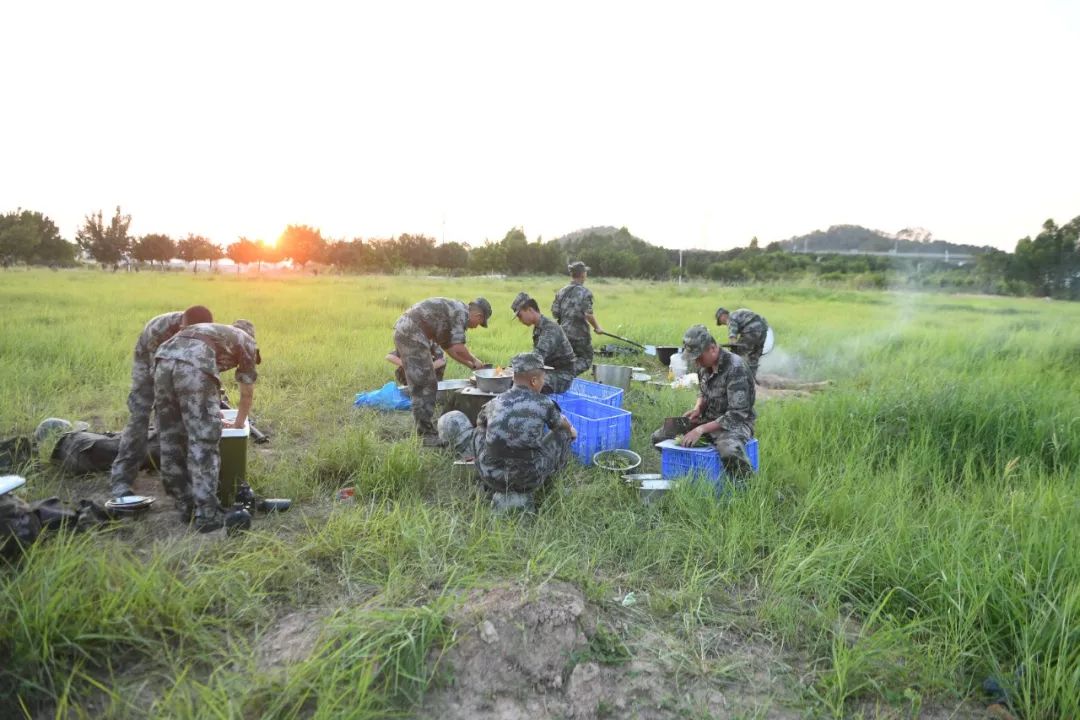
[1047,264]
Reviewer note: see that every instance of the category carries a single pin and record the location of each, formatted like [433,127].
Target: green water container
[233,447]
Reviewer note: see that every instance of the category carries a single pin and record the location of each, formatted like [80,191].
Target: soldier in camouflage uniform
[514,457]
[187,385]
[132,454]
[549,342]
[573,310]
[441,321]
[438,361]
[724,412]
[747,330]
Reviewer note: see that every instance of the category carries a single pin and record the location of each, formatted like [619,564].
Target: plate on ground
[130,502]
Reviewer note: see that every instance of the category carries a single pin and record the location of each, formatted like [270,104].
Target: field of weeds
[912,532]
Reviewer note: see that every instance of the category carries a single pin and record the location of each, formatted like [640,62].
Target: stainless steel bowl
[489,381]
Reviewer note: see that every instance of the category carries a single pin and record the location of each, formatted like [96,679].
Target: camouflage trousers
[523,474]
[581,341]
[132,453]
[189,420]
[750,351]
[730,443]
[415,352]
[558,381]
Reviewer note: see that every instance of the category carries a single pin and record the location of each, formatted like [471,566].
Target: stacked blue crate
[597,392]
[599,427]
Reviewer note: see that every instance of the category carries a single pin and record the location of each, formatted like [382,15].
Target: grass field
[912,531]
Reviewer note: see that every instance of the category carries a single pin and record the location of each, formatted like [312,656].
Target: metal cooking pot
[664,353]
[488,381]
[615,375]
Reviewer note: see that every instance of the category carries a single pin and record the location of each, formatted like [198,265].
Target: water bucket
[614,375]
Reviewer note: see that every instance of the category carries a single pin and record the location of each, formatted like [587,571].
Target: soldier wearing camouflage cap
[187,386]
[444,322]
[747,330]
[549,341]
[724,412]
[132,454]
[573,310]
[515,455]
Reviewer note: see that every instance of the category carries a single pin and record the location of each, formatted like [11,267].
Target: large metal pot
[489,381]
[614,375]
[664,353]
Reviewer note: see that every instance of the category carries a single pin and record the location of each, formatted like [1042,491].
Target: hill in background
[848,238]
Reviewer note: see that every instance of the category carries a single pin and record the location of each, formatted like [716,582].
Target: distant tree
[213,253]
[452,256]
[154,247]
[301,244]
[192,249]
[267,253]
[106,245]
[242,252]
[27,236]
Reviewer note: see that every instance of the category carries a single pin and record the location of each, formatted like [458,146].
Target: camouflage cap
[528,361]
[484,306]
[522,300]
[696,341]
[247,326]
[577,267]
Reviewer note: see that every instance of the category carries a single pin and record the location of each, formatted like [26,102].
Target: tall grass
[911,533]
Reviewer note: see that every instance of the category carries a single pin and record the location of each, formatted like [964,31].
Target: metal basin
[489,381]
[614,375]
[445,390]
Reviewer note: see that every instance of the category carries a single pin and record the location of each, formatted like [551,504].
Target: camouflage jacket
[156,332]
[571,305]
[441,320]
[510,428]
[549,339]
[743,322]
[728,393]
[214,348]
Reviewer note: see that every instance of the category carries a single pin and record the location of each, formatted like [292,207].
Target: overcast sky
[692,124]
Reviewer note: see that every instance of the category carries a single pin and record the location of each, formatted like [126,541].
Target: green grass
[913,529]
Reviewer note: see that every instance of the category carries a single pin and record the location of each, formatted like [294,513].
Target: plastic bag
[388,397]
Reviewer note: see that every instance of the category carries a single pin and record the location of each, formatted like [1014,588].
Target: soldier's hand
[691,437]
[693,414]
[598,330]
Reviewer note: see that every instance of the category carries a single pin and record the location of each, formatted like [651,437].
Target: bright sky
[692,124]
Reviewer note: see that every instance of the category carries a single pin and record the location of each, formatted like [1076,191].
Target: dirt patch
[546,653]
[291,639]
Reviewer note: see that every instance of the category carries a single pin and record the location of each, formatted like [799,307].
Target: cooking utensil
[664,353]
[651,491]
[641,377]
[130,503]
[617,460]
[269,505]
[638,478]
[614,375]
[625,340]
[490,381]
[10,482]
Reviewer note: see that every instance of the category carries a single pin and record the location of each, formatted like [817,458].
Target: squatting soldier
[747,330]
[514,457]
[441,321]
[438,361]
[549,342]
[724,412]
[132,454]
[187,386]
[573,310]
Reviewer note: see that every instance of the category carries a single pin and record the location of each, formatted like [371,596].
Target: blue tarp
[388,397]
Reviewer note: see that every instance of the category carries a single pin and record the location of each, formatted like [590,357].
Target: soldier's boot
[433,441]
[209,519]
[120,489]
[507,502]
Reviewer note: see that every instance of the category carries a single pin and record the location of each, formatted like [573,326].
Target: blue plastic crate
[597,392]
[599,427]
[677,461]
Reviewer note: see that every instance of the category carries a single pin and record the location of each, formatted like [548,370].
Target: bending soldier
[132,453]
[444,322]
[187,385]
[748,331]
